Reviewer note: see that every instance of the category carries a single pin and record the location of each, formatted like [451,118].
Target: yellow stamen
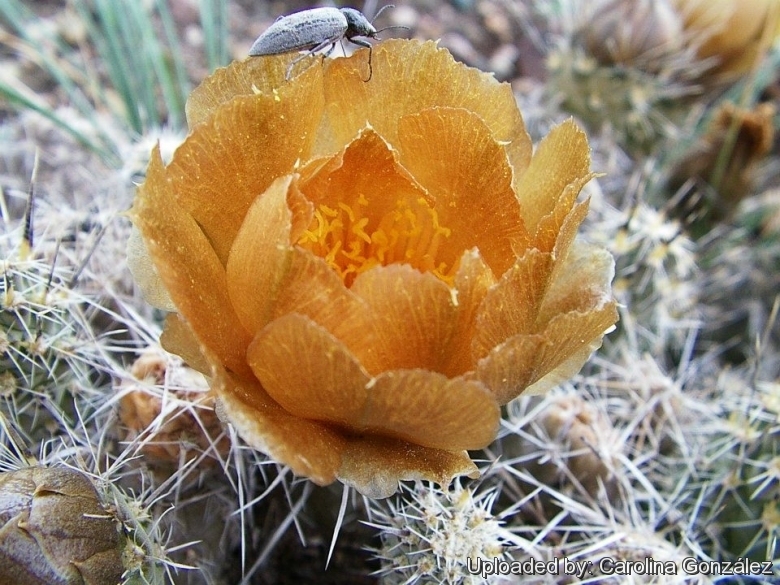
[352,242]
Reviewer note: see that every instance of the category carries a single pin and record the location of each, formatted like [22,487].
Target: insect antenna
[392,26]
[377,15]
[381,10]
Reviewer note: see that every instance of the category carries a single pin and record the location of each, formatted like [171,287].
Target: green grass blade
[214,21]
[19,99]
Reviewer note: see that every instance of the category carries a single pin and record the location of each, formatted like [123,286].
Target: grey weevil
[315,29]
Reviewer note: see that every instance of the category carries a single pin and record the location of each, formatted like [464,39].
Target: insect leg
[330,50]
[363,43]
[322,45]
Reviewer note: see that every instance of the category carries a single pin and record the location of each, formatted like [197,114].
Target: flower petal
[308,371]
[309,448]
[312,375]
[368,167]
[411,313]
[534,362]
[472,282]
[562,158]
[189,268]
[513,366]
[260,255]
[408,77]
[246,78]
[512,306]
[431,410]
[313,289]
[581,282]
[177,337]
[732,34]
[574,337]
[375,465]
[451,152]
[557,230]
[237,153]
[145,274]
[268,278]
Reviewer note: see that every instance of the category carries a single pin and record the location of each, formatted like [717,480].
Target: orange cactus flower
[369,270]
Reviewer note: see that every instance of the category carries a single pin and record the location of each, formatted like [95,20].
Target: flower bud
[175,419]
[734,34]
[55,531]
[621,31]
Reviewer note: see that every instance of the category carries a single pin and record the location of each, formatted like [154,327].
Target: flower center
[351,242]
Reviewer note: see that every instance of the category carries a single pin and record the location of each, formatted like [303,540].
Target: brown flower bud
[726,158]
[581,445]
[175,421]
[55,531]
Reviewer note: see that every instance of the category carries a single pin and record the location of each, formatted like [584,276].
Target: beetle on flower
[315,29]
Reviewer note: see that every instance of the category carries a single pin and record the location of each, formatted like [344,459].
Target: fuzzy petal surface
[189,267]
[562,159]
[410,77]
[375,465]
[453,154]
[236,154]
[310,448]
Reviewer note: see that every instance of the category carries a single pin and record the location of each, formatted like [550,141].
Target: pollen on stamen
[359,230]
[352,242]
